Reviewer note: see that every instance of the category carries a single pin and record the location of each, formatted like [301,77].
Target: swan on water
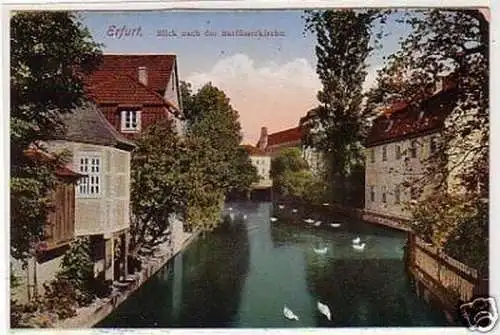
[294,210]
[335,225]
[326,204]
[325,310]
[287,312]
[309,221]
[356,240]
[281,206]
[317,224]
[230,208]
[321,251]
[273,219]
[360,247]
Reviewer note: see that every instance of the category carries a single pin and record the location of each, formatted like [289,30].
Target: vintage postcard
[299,168]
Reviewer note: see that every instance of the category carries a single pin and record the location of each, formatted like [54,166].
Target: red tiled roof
[253,151]
[122,89]
[285,136]
[402,121]
[159,68]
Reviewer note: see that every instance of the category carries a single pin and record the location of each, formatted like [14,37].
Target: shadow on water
[200,287]
[244,273]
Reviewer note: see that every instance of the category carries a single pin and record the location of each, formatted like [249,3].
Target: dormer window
[130,121]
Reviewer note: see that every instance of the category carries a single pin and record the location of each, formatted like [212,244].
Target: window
[384,153]
[91,184]
[372,193]
[433,145]
[397,195]
[130,121]
[413,149]
[398,152]
[384,195]
[372,155]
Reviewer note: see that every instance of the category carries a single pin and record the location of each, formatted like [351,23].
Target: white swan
[325,310]
[230,208]
[321,251]
[244,216]
[273,219]
[317,224]
[360,247]
[326,204]
[335,225]
[309,221]
[294,210]
[356,240]
[287,312]
[281,206]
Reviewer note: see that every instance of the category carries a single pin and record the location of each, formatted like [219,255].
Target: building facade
[262,162]
[102,205]
[399,143]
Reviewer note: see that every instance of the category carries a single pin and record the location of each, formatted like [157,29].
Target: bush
[60,297]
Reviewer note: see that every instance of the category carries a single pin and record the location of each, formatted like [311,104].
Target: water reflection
[243,275]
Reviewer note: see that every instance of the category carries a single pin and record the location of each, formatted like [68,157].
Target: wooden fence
[446,278]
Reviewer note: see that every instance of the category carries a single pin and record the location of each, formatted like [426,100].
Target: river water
[243,276]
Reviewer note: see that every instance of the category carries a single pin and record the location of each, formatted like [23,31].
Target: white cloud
[272,95]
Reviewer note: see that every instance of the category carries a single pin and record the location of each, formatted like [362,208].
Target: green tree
[45,49]
[343,45]
[211,116]
[444,41]
[292,178]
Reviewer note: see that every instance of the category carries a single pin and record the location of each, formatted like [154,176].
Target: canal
[244,275]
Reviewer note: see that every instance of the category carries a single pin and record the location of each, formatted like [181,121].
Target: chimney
[263,138]
[142,73]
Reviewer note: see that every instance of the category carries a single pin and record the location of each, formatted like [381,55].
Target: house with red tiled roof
[135,90]
[273,143]
[401,138]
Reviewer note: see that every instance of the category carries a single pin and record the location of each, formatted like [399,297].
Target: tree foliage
[211,116]
[45,47]
[292,178]
[343,45]
[443,42]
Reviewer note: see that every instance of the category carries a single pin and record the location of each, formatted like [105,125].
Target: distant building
[273,143]
[262,162]
[399,142]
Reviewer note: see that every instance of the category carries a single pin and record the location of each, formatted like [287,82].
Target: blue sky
[271,80]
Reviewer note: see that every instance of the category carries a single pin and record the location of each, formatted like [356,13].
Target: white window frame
[90,164]
[130,121]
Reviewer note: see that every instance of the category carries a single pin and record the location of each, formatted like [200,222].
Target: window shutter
[123,115]
[138,118]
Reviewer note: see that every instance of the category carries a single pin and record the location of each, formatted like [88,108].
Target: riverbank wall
[89,316]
